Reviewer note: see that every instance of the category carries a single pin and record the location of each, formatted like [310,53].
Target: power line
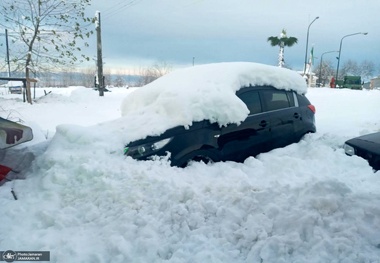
[114,7]
[119,7]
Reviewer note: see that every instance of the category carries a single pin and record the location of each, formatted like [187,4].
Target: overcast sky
[137,33]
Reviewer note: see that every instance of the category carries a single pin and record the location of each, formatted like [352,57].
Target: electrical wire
[117,8]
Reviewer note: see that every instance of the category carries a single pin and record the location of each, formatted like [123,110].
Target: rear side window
[276,99]
[302,100]
[252,100]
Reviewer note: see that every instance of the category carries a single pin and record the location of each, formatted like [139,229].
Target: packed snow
[84,201]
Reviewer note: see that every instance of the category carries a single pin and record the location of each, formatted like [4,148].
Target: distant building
[366,85]
[375,83]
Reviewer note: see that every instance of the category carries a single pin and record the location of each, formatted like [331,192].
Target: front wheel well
[205,154]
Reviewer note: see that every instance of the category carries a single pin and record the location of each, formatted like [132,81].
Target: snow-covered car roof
[205,92]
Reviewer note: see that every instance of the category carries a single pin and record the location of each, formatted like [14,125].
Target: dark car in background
[367,147]
[277,118]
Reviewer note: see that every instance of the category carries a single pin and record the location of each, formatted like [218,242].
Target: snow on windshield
[205,92]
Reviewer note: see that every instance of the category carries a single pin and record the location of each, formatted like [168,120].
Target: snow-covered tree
[324,72]
[282,41]
[152,73]
[46,33]
[366,69]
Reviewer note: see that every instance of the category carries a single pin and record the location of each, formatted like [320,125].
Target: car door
[251,137]
[280,105]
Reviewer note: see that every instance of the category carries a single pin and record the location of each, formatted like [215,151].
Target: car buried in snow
[229,111]
[367,147]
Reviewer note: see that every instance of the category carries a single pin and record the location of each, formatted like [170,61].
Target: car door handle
[296,115]
[263,123]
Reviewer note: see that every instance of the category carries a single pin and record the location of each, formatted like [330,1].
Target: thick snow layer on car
[205,92]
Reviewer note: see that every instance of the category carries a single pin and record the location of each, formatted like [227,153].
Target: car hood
[373,137]
[369,142]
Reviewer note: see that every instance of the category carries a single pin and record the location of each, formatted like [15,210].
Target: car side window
[252,100]
[291,98]
[275,100]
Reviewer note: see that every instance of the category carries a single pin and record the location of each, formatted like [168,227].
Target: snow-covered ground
[84,201]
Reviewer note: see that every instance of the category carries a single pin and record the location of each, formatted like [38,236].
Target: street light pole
[340,49]
[307,43]
[320,66]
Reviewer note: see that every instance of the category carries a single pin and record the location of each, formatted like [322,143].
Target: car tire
[206,156]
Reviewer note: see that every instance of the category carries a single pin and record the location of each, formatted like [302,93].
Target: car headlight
[145,149]
[349,150]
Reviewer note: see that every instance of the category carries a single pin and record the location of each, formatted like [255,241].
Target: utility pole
[99,55]
[6,43]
